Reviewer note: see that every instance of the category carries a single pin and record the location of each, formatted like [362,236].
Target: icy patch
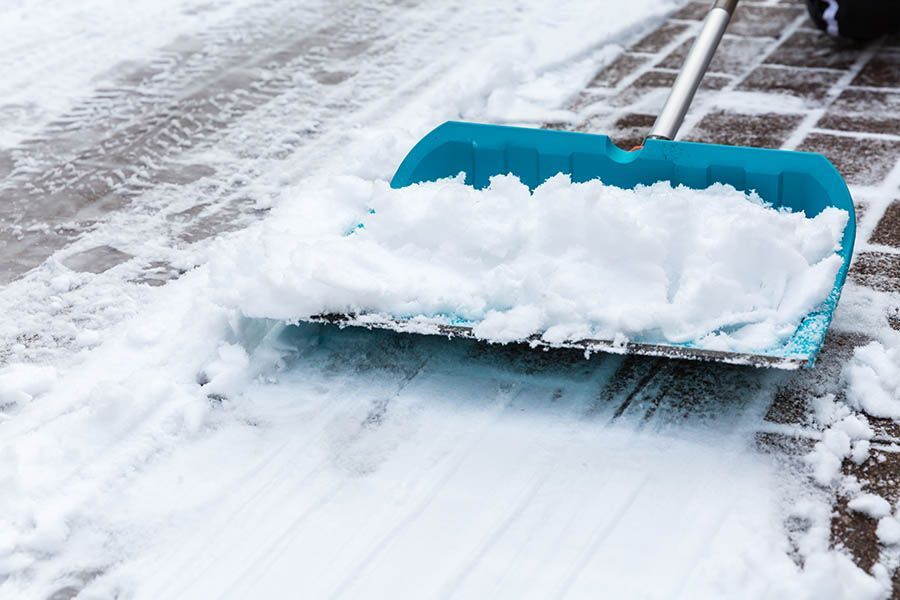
[873,380]
[569,261]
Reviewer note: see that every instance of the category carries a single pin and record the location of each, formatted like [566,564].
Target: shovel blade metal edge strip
[799,181]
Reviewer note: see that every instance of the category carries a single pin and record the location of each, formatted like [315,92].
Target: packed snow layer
[570,261]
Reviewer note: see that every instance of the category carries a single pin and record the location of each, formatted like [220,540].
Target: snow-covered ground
[156,442]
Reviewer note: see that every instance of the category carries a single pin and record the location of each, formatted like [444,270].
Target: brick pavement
[778,82]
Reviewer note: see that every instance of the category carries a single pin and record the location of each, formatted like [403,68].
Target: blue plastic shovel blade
[801,181]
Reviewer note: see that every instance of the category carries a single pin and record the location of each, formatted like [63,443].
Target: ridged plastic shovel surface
[801,181]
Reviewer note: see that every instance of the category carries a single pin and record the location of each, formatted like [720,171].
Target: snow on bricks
[160,444]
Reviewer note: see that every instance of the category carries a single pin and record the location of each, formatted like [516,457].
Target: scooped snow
[571,261]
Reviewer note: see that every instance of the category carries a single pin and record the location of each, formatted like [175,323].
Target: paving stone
[864,111]
[893,318]
[879,477]
[611,75]
[734,55]
[856,532]
[184,174]
[883,70]
[815,49]
[692,11]
[802,83]
[592,124]
[783,445]
[629,131]
[887,232]
[657,80]
[877,270]
[765,130]
[749,19]
[763,21]
[595,99]
[96,260]
[791,403]
[884,429]
[556,125]
[860,160]
[660,38]
[789,408]
[158,273]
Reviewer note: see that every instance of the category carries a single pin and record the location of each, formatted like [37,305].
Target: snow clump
[873,380]
[872,505]
[847,437]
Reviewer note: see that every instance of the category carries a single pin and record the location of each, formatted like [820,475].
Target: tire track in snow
[50,51]
[448,590]
[281,486]
[377,549]
[600,534]
[125,159]
[142,92]
[132,146]
[268,476]
[521,576]
[701,551]
[450,463]
[102,463]
[507,515]
[455,460]
[361,547]
[197,194]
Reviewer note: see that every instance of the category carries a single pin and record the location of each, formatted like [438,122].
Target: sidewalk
[778,82]
[373,460]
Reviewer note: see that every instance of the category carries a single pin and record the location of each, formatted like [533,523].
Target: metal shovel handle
[692,71]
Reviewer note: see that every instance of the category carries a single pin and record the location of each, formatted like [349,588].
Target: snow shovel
[800,181]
